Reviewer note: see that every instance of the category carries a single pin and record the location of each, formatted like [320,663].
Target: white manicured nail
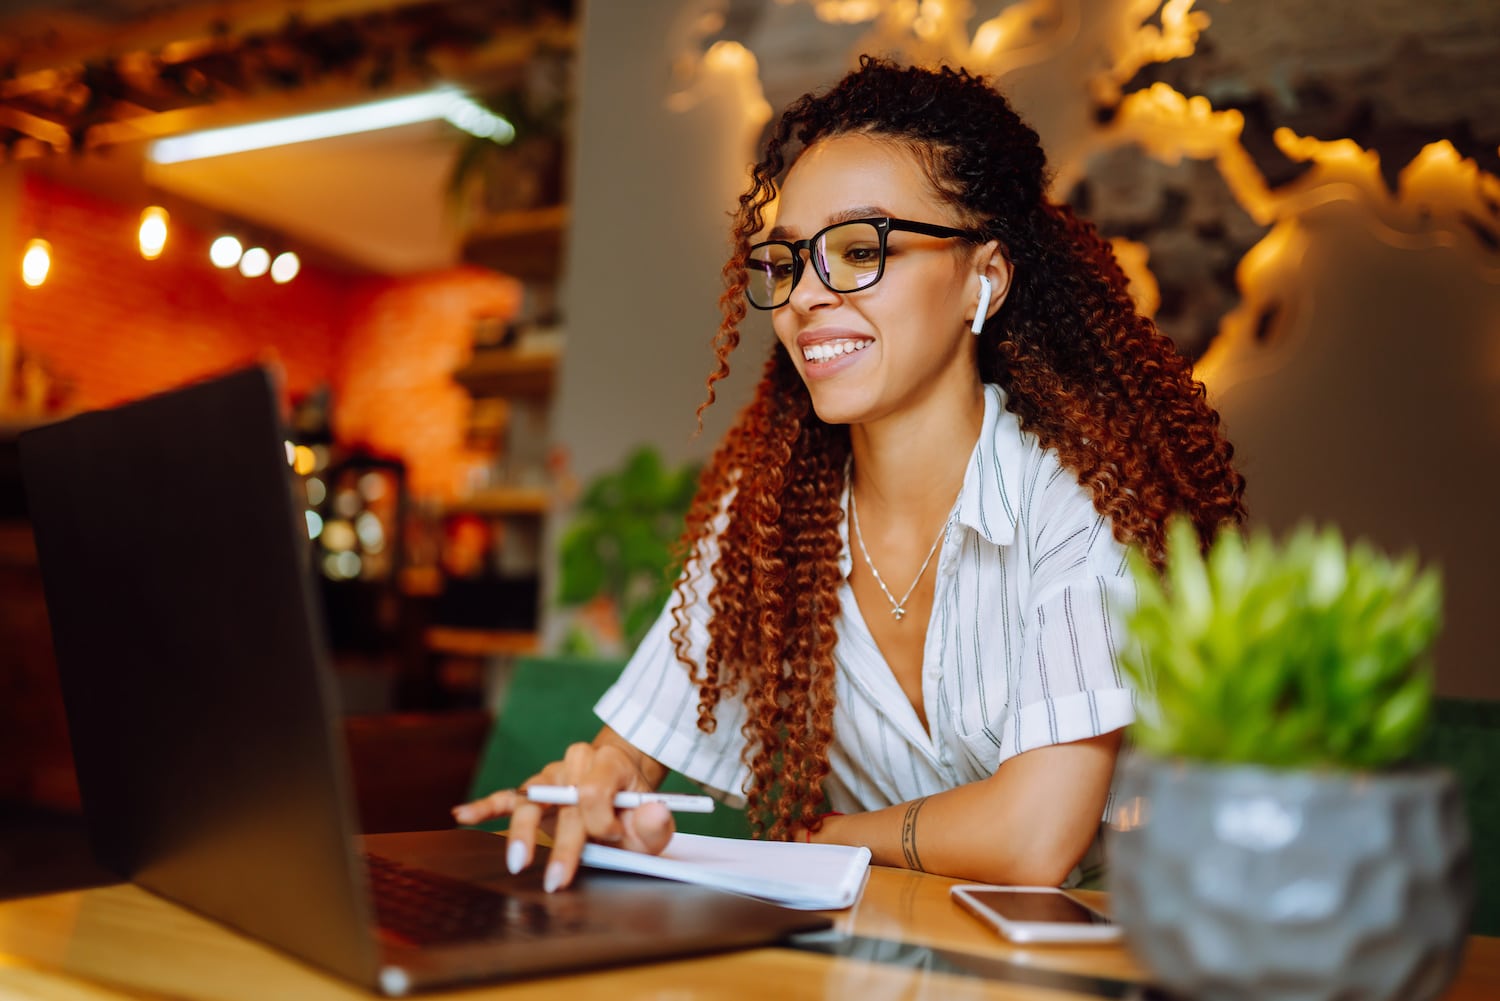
[515,857]
[554,877]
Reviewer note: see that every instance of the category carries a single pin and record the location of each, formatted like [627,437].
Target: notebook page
[801,876]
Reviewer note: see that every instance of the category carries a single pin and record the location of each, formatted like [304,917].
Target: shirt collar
[988,501]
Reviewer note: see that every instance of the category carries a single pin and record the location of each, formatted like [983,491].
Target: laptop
[207,736]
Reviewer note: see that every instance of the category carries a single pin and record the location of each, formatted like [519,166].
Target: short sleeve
[1068,684]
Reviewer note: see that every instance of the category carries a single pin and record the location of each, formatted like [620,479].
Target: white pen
[677,802]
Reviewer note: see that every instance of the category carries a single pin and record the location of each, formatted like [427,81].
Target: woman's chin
[838,408]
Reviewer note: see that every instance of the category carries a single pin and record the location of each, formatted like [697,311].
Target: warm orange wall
[395,393]
[114,327]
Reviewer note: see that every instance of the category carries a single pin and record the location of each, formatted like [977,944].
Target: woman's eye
[862,255]
[782,272]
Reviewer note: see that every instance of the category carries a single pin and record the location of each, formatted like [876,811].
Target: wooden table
[120,942]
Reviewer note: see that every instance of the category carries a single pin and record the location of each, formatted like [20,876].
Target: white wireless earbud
[984,304]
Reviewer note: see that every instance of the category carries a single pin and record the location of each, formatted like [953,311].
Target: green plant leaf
[1311,651]
[1187,577]
[1399,723]
[621,540]
[580,570]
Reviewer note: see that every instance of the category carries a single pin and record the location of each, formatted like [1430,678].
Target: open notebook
[792,874]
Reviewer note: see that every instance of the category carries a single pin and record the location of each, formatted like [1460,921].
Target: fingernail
[462,814]
[515,857]
[554,877]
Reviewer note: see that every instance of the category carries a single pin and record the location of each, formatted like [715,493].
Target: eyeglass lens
[846,257]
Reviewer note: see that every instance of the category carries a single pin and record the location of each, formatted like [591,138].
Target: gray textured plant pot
[1235,883]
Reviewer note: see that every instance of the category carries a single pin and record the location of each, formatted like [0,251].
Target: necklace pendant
[898,607]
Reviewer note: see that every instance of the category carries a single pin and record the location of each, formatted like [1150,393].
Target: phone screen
[1052,908]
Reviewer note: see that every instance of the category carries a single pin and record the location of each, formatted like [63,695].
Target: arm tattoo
[909,835]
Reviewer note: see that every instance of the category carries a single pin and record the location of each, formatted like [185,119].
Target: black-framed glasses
[847,257]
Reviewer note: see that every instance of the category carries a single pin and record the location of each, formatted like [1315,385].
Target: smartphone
[1031,914]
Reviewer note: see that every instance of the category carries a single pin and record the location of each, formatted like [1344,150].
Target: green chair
[549,705]
[1465,737]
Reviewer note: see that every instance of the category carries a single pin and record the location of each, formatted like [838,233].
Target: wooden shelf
[503,500]
[522,224]
[526,243]
[507,372]
[481,642]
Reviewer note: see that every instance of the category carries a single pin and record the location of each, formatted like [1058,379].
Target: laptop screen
[176,569]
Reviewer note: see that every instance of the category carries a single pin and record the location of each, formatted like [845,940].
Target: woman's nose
[808,290]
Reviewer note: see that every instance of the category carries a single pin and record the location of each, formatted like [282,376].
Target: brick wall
[393,392]
[114,327]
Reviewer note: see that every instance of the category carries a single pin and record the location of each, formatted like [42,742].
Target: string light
[255,262]
[36,262]
[153,232]
[225,252]
[285,267]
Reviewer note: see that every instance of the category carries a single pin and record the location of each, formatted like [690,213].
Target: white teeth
[827,350]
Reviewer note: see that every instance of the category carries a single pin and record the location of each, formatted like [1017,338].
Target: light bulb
[36,262]
[225,252]
[285,267]
[153,232]
[255,262]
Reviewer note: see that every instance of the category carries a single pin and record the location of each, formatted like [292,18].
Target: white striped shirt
[1020,649]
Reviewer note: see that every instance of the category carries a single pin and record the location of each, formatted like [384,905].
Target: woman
[898,623]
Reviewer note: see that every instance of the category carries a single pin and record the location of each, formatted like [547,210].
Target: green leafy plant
[619,545]
[521,169]
[1309,653]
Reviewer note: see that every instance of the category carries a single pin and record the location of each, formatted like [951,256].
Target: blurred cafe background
[490,288]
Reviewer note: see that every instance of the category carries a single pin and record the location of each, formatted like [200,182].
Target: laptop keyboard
[427,908]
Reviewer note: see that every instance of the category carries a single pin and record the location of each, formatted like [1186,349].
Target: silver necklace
[898,608]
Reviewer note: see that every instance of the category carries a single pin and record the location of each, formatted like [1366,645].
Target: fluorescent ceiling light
[446,103]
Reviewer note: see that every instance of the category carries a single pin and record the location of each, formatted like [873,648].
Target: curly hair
[1082,371]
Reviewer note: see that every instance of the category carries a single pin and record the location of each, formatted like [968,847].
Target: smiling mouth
[829,350]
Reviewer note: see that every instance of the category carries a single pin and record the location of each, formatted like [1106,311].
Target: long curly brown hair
[1081,369]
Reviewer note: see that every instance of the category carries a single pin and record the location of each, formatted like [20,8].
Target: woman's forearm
[1028,824]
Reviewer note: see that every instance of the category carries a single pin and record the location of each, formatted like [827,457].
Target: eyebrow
[843,215]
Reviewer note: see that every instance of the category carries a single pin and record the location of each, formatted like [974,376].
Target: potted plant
[1268,839]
